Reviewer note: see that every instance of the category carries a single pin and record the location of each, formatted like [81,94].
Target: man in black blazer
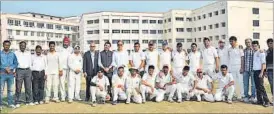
[90,67]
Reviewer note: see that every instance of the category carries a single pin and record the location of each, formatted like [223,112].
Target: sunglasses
[120,44]
[150,44]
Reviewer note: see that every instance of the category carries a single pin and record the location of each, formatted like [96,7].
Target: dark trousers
[38,82]
[109,75]
[259,83]
[23,75]
[270,79]
[88,80]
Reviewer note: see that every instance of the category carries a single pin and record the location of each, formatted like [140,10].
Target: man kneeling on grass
[133,83]
[118,85]
[226,86]
[148,84]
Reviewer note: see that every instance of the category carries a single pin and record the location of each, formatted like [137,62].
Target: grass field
[149,107]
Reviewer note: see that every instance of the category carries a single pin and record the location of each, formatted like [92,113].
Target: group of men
[139,76]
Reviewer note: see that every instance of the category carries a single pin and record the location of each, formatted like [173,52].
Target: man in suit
[90,67]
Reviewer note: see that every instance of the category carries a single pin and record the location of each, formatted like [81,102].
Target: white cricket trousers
[177,71]
[228,92]
[183,89]
[97,94]
[146,89]
[74,85]
[210,71]
[207,97]
[62,82]
[238,78]
[52,83]
[118,94]
[170,90]
[132,93]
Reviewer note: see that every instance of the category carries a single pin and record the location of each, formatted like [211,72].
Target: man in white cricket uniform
[165,85]
[201,87]
[64,52]
[75,64]
[53,70]
[164,56]
[99,86]
[226,86]
[194,57]
[185,82]
[137,58]
[151,57]
[223,53]
[120,58]
[133,83]
[179,58]
[119,86]
[210,59]
[148,84]
[236,65]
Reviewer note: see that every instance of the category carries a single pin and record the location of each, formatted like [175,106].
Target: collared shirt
[133,82]
[224,80]
[38,63]
[24,59]
[104,82]
[179,59]
[248,59]
[165,58]
[223,55]
[185,81]
[235,55]
[116,80]
[8,60]
[150,79]
[203,83]
[162,80]
[64,54]
[258,60]
[120,58]
[92,55]
[194,60]
[209,54]
[75,62]
[151,58]
[53,63]
[137,58]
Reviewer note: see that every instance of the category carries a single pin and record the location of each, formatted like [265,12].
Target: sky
[74,8]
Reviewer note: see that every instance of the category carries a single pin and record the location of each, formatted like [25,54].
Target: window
[9,32]
[189,29]
[17,32]
[115,31]
[125,21]
[96,41]
[223,24]
[216,12]
[223,11]
[256,35]
[115,41]
[256,23]
[194,18]
[160,41]
[160,31]
[152,21]
[180,29]
[126,31]
[96,32]
[135,31]
[165,20]
[126,41]
[204,16]
[42,34]
[40,25]
[179,19]
[255,10]
[194,29]
[216,25]
[160,21]
[10,22]
[152,32]
[66,28]
[89,32]
[115,20]
[165,31]
[135,21]
[56,35]
[144,41]
[17,23]
[96,21]
[189,40]
[210,14]
[33,15]
[106,31]
[49,26]
[217,38]
[210,37]
[144,21]
[26,24]
[188,19]
[223,37]
[31,24]
[145,31]
[204,27]
[199,17]
[58,27]
[200,28]
[180,40]
[134,41]
[32,42]
[90,22]
[169,19]
[199,39]
[42,16]
[25,33]
[106,20]
[32,33]
[169,30]
[210,26]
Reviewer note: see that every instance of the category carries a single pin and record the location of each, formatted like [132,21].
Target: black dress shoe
[266,104]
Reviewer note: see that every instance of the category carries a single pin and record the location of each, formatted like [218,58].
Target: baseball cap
[221,41]
[134,68]
[164,43]
[77,47]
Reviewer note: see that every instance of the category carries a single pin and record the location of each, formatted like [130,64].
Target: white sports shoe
[12,106]
[17,105]
[199,98]
[229,101]
[41,102]
[31,104]
[36,103]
